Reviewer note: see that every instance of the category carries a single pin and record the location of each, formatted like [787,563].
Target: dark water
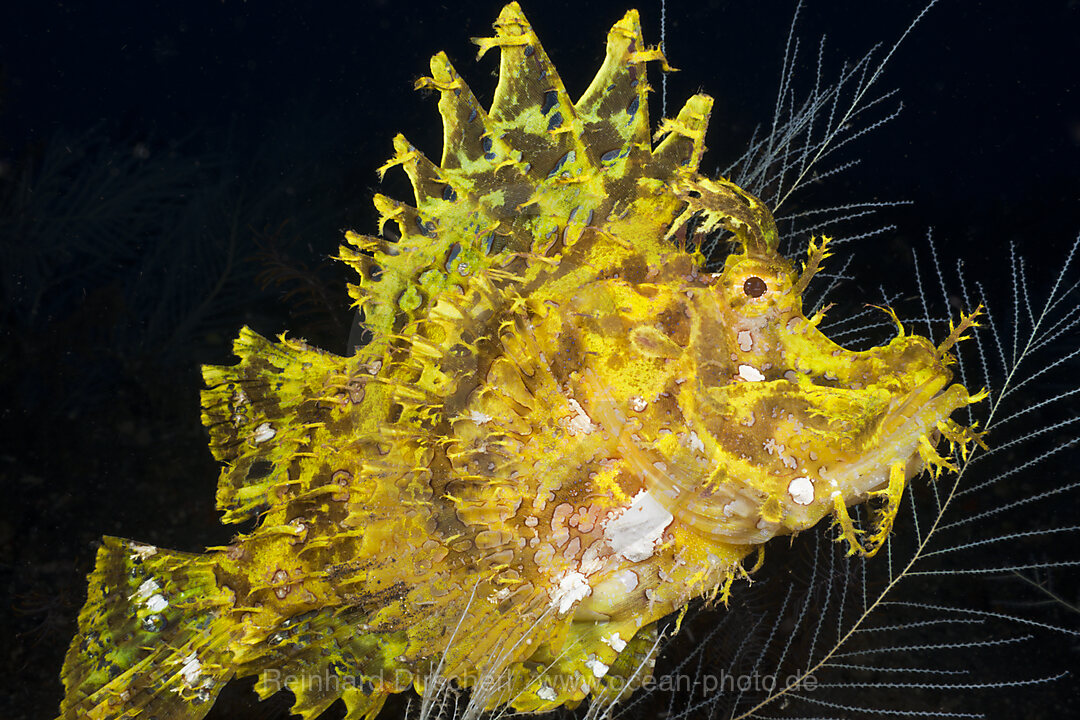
[193,165]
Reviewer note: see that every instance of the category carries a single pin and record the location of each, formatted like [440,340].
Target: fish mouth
[731,512]
[912,420]
[734,514]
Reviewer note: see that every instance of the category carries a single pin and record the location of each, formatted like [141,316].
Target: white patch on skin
[590,560]
[634,533]
[191,670]
[478,417]
[615,642]
[572,549]
[149,587]
[531,521]
[801,490]
[638,403]
[581,423]
[264,432]
[157,603]
[573,587]
[560,515]
[546,692]
[598,668]
[749,373]
[695,442]
[629,579]
[543,554]
[142,551]
[746,341]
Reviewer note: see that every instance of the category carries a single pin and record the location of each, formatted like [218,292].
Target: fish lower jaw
[856,480]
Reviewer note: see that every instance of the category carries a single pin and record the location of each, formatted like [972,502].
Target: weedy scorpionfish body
[562,430]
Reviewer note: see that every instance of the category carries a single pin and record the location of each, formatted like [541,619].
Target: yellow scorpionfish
[562,430]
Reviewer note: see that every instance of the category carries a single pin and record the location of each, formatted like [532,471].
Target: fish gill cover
[469,629]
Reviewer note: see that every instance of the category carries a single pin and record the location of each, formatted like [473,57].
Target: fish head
[796,425]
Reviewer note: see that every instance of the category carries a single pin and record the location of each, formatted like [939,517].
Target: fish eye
[754,286]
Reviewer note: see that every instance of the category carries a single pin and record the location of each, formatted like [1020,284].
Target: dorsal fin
[537,190]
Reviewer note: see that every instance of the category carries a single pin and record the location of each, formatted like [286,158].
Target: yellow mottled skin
[562,430]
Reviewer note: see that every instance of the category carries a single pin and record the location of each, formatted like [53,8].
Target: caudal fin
[151,642]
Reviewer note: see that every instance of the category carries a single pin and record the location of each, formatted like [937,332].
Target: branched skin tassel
[562,430]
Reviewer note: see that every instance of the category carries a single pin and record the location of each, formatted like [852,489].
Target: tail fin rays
[148,636]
